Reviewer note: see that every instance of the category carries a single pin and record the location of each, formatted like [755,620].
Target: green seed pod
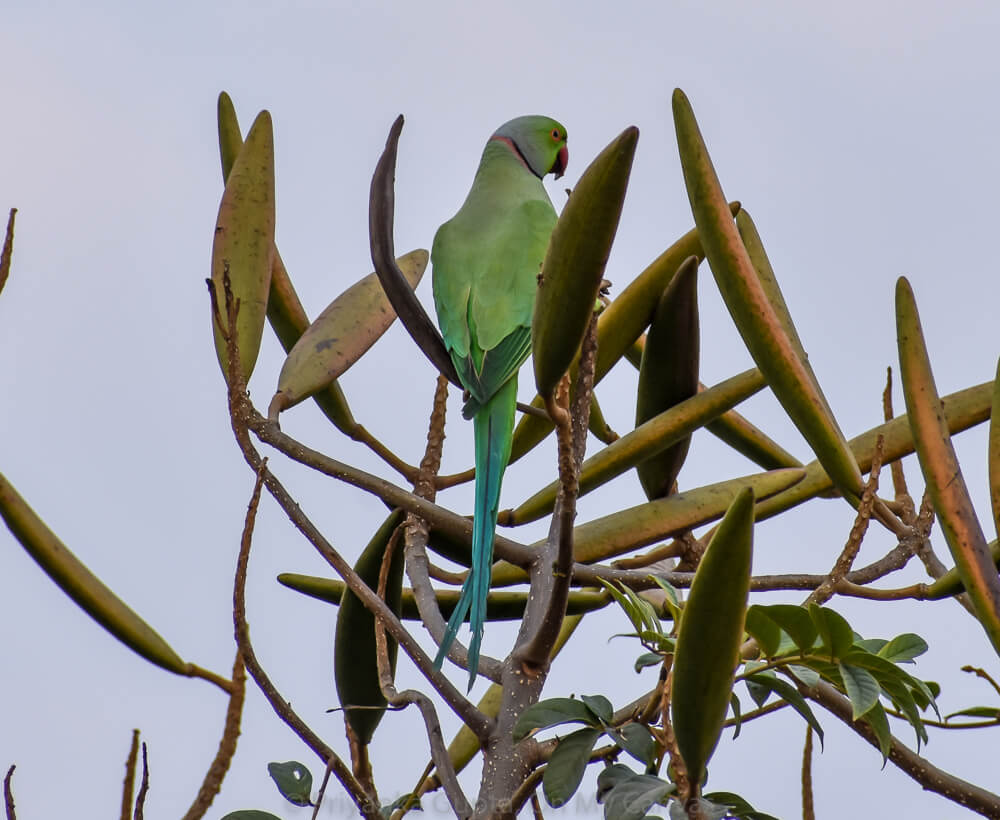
[754,315]
[597,424]
[244,243]
[81,585]
[500,606]
[284,310]
[655,436]
[341,335]
[941,470]
[355,661]
[709,637]
[951,584]
[668,373]
[574,263]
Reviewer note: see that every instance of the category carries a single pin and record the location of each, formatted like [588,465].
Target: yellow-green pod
[941,470]
[341,334]
[951,584]
[597,424]
[355,661]
[994,452]
[500,605]
[668,373]
[230,136]
[709,638]
[284,310]
[653,437]
[627,530]
[962,410]
[81,585]
[244,243]
[574,262]
[762,331]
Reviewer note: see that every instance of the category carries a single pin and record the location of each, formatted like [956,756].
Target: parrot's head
[540,142]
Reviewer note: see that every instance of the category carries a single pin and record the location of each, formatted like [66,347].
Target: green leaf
[791,695]
[880,725]
[862,689]
[794,620]
[398,803]
[764,630]
[628,796]
[833,629]
[293,780]
[991,712]
[734,704]
[566,766]
[673,599]
[636,739]
[759,691]
[738,806]
[810,677]
[600,706]
[647,659]
[903,648]
[553,712]
[873,645]
[250,814]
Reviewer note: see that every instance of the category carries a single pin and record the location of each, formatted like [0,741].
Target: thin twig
[536,807]
[929,776]
[212,783]
[140,798]
[439,752]
[8,794]
[8,248]
[982,673]
[195,671]
[322,789]
[552,575]
[128,786]
[408,471]
[845,560]
[808,810]
[282,708]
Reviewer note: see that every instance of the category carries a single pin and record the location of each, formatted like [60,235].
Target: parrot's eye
[555,133]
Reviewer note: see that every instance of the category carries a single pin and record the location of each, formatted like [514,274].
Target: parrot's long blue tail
[494,428]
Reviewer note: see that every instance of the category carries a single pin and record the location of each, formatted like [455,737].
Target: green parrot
[486,260]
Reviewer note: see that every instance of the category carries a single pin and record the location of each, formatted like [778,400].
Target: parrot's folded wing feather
[498,366]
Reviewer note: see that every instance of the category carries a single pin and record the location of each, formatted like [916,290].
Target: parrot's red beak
[562,160]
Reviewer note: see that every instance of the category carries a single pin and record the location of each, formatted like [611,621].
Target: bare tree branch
[128,786]
[216,773]
[929,776]
[439,753]
[140,798]
[8,794]
[8,249]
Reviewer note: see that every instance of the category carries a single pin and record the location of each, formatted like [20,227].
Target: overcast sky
[860,135]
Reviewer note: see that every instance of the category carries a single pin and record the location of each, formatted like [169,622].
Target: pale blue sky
[861,136]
